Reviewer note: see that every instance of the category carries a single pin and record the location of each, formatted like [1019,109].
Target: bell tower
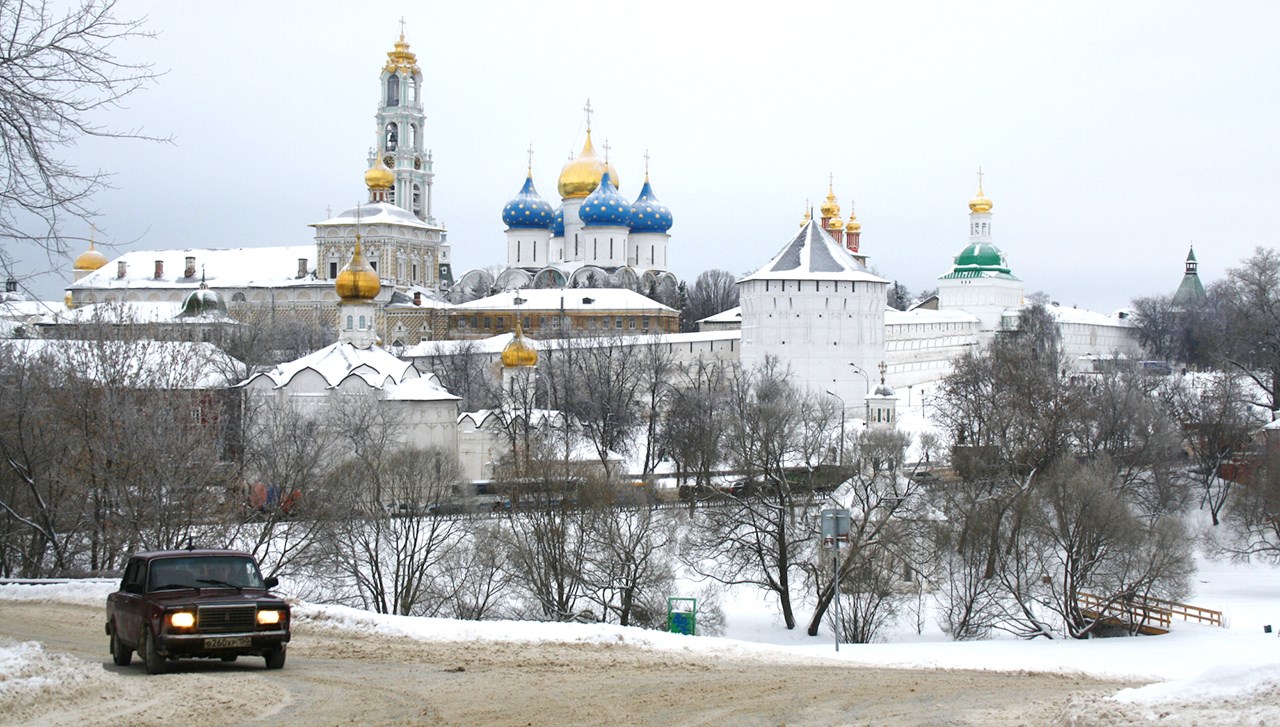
[401,122]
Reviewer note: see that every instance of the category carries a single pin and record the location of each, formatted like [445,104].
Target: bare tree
[695,426]
[714,291]
[58,71]
[658,368]
[879,496]
[474,582]
[1082,537]
[604,394]
[546,540]
[1218,426]
[629,567]
[389,545]
[1249,297]
[758,534]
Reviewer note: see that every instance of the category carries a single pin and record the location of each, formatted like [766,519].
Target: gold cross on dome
[979,177]
[606,151]
[587,109]
[401,27]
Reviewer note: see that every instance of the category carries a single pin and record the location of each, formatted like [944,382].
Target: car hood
[214,597]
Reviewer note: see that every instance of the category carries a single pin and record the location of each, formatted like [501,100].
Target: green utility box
[682,615]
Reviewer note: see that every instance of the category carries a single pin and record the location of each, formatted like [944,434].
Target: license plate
[228,642]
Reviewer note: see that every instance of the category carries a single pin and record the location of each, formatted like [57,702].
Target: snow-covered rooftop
[376,213]
[567,299]
[1063,314]
[337,361]
[156,364]
[895,317]
[814,255]
[494,344]
[733,315]
[126,312]
[241,267]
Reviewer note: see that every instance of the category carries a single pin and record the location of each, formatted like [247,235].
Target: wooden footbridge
[1143,614]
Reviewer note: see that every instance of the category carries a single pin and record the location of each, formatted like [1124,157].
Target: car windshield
[205,571]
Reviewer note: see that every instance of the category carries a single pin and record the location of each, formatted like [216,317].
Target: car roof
[197,552]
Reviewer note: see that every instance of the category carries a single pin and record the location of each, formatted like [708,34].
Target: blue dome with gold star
[648,214]
[605,207]
[527,210]
[557,225]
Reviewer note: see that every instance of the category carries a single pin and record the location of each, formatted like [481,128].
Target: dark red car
[210,604]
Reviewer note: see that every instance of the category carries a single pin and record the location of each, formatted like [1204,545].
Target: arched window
[417,200]
[413,136]
[237,298]
[393,90]
[362,323]
[393,136]
[350,323]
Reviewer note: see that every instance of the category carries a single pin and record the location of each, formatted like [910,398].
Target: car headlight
[182,619]
[267,618]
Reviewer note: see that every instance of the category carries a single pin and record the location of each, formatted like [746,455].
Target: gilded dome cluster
[401,58]
[528,210]
[605,207]
[647,213]
[358,280]
[581,175]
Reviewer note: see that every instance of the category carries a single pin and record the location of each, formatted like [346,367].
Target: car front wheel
[150,656]
[275,658]
[120,654]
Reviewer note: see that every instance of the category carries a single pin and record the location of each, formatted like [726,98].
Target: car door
[129,601]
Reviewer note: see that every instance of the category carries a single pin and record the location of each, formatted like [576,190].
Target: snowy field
[1233,670]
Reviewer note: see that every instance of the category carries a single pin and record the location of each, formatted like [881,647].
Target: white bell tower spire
[401,124]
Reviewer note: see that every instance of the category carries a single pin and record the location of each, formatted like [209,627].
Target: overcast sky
[1112,134]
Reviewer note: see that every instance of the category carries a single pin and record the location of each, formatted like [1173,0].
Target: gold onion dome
[853,225]
[358,280]
[90,259]
[835,223]
[980,203]
[401,58]
[379,176]
[581,174]
[830,208]
[808,215]
[518,352]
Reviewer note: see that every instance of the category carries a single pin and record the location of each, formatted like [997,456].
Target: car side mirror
[132,588]
[271,581]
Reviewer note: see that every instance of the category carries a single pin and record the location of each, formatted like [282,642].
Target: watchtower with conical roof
[818,309]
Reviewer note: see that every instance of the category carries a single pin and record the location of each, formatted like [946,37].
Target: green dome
[981,254]
[980,260]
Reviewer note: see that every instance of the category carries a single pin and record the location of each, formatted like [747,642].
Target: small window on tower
[333,269]
[393,90]
[417,200]
[393,137]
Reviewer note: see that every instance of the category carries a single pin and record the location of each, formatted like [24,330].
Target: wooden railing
[1147,611]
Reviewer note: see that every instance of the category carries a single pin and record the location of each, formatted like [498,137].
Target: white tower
[401,122]
[980,281]
[816,308]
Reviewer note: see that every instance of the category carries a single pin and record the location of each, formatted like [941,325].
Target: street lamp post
[866,416]
[840,459]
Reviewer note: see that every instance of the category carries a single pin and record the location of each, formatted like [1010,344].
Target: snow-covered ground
[1236,664]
